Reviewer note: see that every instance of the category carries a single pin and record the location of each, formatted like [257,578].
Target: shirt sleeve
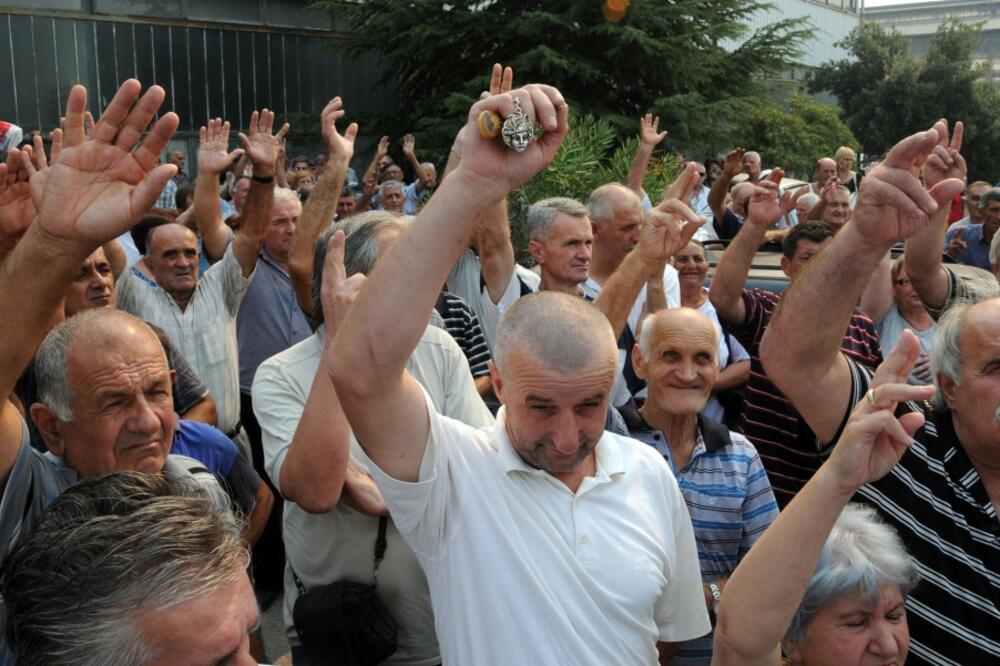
[278,407]
[188,388]
[737,352]
[957,291]
[228,273]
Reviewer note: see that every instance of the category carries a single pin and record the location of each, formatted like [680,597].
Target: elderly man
[970,244]
[539,506]
[330,528]
[833,207]
[199,315]
[790,450]
[158,577]
[391,196]
[942,497]
[103,377]
[719,472]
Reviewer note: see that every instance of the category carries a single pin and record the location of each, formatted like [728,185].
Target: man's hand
[668,228]
[946,160]
[338,291]
[922,369]
[647,130]
[261,146]
[383,147]
[734,162]
[501,81]
[214,155]
[16,207]
[497,169]
[874,439]
[101,183]
[892,204]
[361,493]
[409,141]
[765,207]
[339,147]
[956,245]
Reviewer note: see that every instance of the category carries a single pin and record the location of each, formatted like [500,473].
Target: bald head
[611,200]
[673,323]
[561,332]
[826,168]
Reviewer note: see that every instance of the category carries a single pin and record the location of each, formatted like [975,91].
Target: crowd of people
[347,393]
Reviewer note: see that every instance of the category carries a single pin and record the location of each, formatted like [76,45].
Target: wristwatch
[713,612]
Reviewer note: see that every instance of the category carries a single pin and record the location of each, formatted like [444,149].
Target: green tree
[792,135]
[886,93]
[664,57]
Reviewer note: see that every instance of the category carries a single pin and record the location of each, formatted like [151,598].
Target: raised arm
[767,587]
[717,194]
[649,138]
[666,230]
[801,347]
[262,148]
[214,157]
[726,292]
[371,173]
[876,299]
[923,250]
[409,150]
[385,323]
[95,191]
[321,206]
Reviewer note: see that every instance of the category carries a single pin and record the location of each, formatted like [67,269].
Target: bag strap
[381,544]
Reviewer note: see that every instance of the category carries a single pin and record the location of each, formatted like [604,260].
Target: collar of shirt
[609,458]
[710,436]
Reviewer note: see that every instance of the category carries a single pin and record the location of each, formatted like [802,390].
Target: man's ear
[497,381]
[537,251]
[793,651]
[786,265]
[49,427]
[947,387]
[638,364]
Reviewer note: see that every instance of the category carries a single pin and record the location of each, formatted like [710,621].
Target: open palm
[214,155]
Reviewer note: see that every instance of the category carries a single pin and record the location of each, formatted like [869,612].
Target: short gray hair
[388,184]
[51,369]
[106,551]
[861,555]
[606,199]
[565,333]
[285,194]
[992,194]
[542,213]
[809,199]
[361,249]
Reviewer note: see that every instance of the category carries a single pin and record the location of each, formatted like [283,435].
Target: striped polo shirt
[787,445]
[463,325]
[936,501]
[728,497]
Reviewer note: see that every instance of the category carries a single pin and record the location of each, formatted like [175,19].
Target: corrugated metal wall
[831,25]
[206,71]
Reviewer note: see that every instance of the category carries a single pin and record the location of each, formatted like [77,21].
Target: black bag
[344,623]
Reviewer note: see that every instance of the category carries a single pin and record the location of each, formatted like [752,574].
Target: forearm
[766,588]
[115,254]
[418,170]
[816,212]
[656,297]
[923,260]
[257,520]
[732,376]
[312,474]
[496,252]
[726,292]
[253,222]
[386,321]
[371,172]
[203,411]
[208,213]
[877,296]
[622,288]
[317,214]
[717,195]
[637,171]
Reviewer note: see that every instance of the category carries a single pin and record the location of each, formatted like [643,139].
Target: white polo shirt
[522,571]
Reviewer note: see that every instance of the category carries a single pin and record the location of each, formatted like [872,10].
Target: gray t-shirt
[890,327]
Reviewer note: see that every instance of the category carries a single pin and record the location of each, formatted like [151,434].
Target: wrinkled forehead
[681,330]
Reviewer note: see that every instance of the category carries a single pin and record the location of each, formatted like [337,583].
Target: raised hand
[338,146]
[409,142]
[383,147]
[647,130]
[892,204]
[734,162]
[261,146]
[765,206]
[497,169]
[667,229]
[338,291]
[16,207]
[101,183]
[956,244]
[874,439]
[686,183]
[214,155]
[946,160]
[501,81]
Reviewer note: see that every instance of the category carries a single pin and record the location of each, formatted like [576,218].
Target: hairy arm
[876,299]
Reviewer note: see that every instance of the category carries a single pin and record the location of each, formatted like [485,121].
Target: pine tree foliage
[664,56]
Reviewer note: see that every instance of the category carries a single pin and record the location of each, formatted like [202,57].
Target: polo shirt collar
[715,435]
[610,462]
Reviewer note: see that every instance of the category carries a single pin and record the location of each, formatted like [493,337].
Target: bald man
[721,476]
[543,505]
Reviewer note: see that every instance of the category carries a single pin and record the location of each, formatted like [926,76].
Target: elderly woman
[846,176]
[906,311]
[727,492]
[825,582]
[734,361]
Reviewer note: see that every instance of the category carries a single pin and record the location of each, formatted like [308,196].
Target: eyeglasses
[901,282]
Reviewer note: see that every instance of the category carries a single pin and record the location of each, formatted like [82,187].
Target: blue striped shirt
[729,498]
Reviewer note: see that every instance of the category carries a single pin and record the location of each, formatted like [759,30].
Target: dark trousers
[269,551]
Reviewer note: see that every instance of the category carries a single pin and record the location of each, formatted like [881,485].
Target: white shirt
[323,548]
[522,571]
